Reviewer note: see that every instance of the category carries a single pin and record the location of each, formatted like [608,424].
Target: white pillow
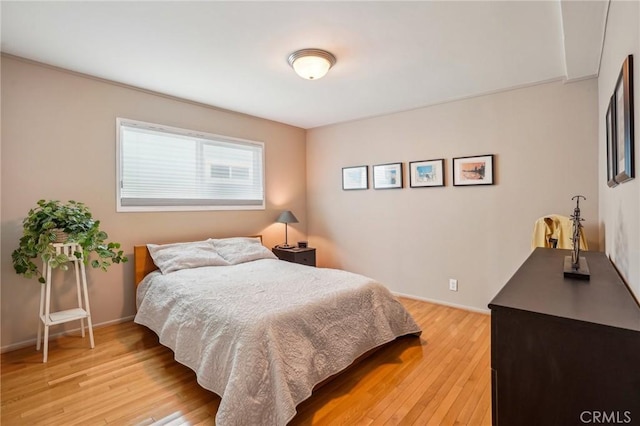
[173,257]
[242,249]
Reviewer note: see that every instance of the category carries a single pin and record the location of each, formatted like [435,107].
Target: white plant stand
[48,318]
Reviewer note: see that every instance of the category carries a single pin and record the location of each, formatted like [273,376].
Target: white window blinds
[166,168]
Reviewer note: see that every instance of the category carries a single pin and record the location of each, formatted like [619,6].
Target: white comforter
[261,334]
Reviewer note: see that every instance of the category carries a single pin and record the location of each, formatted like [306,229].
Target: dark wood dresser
[565,351]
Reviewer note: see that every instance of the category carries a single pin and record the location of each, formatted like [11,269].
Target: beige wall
[620,206]
[58,142]
[545,143]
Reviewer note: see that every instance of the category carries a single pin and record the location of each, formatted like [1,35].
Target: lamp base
[285,246]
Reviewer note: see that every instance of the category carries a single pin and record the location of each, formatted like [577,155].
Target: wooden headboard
[143,262]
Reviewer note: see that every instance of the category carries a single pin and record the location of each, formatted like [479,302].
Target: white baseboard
[32,342]
[440,302]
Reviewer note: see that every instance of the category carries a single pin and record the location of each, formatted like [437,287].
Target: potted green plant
[52,221]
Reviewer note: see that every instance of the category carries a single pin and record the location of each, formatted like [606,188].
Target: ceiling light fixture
[311,64]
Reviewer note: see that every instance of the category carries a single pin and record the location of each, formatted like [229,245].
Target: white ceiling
[392,56]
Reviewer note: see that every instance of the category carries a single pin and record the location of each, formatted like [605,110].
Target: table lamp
[286,217]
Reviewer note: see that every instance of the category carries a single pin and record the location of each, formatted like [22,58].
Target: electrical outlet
[453,284]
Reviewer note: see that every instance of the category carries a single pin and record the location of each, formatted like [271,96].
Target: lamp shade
[311,64]
[286,217]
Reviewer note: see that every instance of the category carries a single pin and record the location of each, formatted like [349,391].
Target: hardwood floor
[441,378]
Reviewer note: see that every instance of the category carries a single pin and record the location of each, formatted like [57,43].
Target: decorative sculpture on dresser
[574,265]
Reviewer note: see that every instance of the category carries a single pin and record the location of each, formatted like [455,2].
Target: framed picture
[611,144]
[387,176]
[426,173]
[623,113]
[355,178]
[476,170]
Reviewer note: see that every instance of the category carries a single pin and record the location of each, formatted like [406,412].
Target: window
[163,168]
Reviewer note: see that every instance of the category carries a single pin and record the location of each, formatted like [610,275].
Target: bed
[258,331]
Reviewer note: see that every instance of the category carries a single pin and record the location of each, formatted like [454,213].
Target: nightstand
[303,256]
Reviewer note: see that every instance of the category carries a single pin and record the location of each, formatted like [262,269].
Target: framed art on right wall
[611,144]
[476,170]
[623,123]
